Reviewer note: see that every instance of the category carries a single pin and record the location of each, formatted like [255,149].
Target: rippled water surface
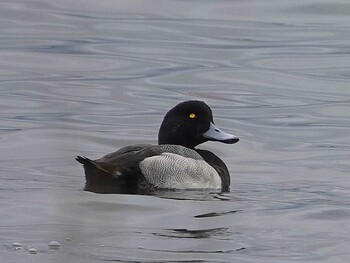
[88,77]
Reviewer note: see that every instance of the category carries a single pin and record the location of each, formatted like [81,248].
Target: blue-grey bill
[215,134]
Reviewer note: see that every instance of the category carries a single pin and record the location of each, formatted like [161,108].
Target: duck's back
[143,167]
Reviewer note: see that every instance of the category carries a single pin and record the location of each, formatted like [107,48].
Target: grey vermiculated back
[146,150]
[176,149]
[131,149]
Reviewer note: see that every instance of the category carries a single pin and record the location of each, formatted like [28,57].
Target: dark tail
[83,160]
[100,180]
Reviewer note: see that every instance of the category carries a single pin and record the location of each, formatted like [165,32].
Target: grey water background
[88,77]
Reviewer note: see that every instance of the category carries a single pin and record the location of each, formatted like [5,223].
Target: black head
[191,123]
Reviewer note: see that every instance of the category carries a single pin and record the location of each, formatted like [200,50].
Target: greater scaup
[172,164]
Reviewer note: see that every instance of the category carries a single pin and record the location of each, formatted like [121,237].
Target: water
[88,77]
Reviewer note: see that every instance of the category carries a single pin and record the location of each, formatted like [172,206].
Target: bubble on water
[54,245]
[32,251]
[17,244]
[68,240]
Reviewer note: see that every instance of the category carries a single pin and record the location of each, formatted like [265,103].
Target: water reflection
[200,195]
[214,214]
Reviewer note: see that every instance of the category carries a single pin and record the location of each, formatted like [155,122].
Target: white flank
[173,171]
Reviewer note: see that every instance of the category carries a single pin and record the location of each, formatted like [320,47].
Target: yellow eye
[192,116]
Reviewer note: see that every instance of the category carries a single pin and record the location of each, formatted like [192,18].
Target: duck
[174,164]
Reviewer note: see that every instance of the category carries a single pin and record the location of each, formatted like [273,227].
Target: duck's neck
[177,142]
[176,136]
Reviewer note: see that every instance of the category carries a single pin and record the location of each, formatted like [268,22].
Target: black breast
[219,166]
